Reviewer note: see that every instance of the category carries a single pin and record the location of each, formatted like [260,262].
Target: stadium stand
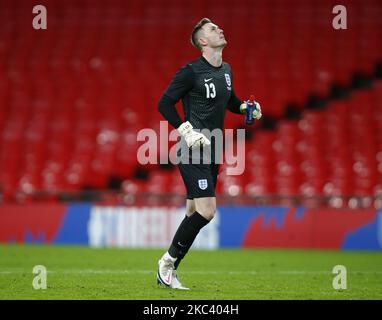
[74,96]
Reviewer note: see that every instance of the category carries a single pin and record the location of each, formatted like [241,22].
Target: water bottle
[250,107]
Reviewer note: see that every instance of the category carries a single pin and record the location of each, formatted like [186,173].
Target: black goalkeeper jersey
[206,92]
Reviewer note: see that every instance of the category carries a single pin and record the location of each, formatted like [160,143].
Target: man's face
[213,36]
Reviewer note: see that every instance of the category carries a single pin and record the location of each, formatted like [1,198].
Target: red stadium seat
[72,99]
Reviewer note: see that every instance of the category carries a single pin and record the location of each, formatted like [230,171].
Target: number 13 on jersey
[210,90]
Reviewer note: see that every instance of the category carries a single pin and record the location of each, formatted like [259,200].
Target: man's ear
[203,42]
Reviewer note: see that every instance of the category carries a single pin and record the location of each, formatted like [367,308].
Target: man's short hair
[194,34]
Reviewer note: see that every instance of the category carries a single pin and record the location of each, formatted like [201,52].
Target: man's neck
[214,56]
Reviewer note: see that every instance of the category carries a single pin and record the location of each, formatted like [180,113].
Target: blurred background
[74,96]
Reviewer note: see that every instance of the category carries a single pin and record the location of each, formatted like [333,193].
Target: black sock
[185,236]
[180,255]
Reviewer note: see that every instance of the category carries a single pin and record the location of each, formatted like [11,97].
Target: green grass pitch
[87,273]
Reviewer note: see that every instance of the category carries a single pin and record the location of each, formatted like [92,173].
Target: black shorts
[200,179]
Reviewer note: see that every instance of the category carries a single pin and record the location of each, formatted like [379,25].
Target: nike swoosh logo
[206,80]
[181,245]
[168,279]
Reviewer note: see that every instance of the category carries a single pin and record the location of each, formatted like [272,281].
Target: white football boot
[167,275]
[176,284]
[165,269]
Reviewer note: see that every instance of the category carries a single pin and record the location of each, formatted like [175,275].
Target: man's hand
[193,139]
[256,111]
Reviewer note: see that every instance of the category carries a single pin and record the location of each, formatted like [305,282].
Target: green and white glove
[193,139]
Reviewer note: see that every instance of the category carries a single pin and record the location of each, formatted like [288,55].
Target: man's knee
[190,208]
[208,211]
[206,207]
[190,211]
[209,214]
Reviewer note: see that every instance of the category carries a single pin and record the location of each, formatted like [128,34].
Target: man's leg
[184,238]
[200,185]
[189,228]
[204,208]
[190,209]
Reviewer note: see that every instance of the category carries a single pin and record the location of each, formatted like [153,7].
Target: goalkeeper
[206,90]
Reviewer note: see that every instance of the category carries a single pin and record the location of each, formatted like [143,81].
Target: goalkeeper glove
[256,111]
[193,139]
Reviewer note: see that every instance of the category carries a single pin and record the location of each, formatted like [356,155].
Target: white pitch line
[106,271]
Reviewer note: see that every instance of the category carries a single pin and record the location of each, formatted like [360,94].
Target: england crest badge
[203,184]
[228,79]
